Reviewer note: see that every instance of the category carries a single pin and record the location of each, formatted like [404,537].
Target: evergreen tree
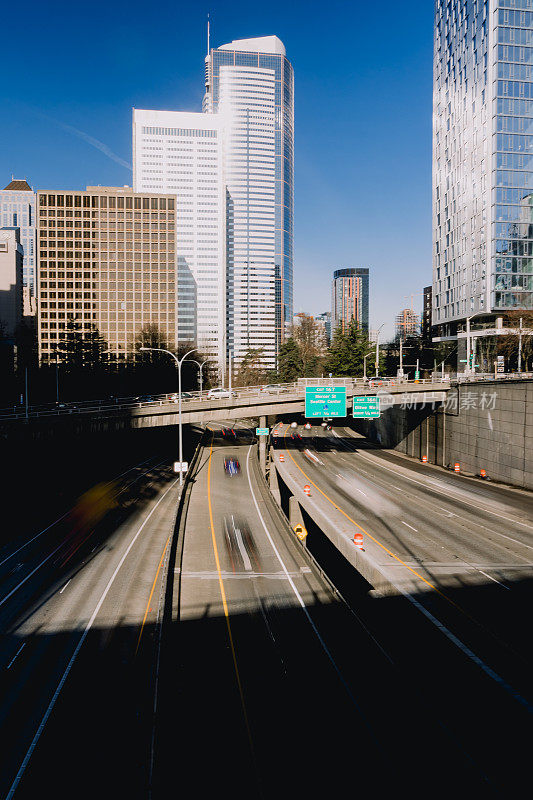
[347,351]
[290,364]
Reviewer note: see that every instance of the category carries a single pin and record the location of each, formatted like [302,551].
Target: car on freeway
[219,392]
[232,466]
[143,398]
[294,424]
[240,544]
[307,426]
[273,388]
[379,380]
[173,398]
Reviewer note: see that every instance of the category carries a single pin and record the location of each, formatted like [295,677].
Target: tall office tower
[250,84]
[482,161]
[17,210]
[11,261]
[181,153]
[349,298]
[107,260]
[407,324]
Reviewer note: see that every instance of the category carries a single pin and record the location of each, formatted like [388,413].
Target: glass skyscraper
[250,84]
[482,160]
[17,210]
[349,298]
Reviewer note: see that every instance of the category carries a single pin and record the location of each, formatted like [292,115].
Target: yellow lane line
[151,593]
[383,547]
[224,600]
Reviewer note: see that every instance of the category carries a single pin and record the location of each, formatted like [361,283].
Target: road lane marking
[409,526]
[242,548]
[225,604]
[377,462]
[22,646]
[70,664]
[451,636]
[304,607]
[65,586]
[493,579]
[151,593]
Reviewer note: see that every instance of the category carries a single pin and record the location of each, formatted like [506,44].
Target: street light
[377,346]
[200,370]
[179,362]
[467,366]
[364,364]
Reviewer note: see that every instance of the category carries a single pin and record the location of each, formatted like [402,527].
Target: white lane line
[22,646]
[493,579]
[409,526]
[65,675]
[65,514]
[302,603]
[65,586]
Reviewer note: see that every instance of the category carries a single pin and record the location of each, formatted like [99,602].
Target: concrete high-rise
[250,83]
[11,261]
[482,162]
[107,260]
[17,210]
[180,153]
[349,298]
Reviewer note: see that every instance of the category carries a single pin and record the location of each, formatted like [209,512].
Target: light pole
[467,366]
[179,362]
[377,347]
[520,347]
[199,370]
[364,364]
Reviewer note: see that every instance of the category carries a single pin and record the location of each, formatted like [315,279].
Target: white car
[294,424]
[307,426]
[219,392]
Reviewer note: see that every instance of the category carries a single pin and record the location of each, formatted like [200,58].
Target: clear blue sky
[73,71]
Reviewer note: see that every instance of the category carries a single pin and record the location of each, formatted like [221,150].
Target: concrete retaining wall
[485,425]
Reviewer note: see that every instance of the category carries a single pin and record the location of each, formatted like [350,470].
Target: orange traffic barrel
[307,490]
[281,457]
[358,540]
[456,466]
[482,473]
[424,459]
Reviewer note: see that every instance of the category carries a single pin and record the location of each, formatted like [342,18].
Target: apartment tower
[482,162]
[349,298]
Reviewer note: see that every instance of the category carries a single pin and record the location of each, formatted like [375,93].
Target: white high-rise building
[250,84]
[231,168]
[181,153]
[17,210]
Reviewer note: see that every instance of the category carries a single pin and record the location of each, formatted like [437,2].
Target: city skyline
[83,132]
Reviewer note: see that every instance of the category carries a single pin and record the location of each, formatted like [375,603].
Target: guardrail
[115,405]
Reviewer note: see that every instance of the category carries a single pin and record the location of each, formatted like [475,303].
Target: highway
[460,553]
[81,612]
[273,684]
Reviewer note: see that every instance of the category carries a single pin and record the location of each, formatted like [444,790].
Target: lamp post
[467,366]
[377,347]
[179,362]
[200,366]
[520,347]
[364,364]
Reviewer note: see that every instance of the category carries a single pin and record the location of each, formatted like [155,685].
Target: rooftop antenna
[208,34]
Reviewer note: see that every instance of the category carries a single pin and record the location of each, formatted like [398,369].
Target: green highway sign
[325,401]
[366,407]
[261,431]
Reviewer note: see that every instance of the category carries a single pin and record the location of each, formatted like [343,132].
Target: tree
[307,335]
[290,364]
[347,351]
[251,371]
[508,345]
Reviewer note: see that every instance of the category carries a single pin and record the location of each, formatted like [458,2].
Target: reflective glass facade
[349,298]
[255,93]
[482,157]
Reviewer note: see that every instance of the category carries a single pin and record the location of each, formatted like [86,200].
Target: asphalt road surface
[274,686]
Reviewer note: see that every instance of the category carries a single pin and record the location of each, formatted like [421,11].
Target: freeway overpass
[198,408]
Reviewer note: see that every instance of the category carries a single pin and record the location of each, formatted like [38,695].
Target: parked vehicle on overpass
[184,396]
[379,380]
[294,424]
[273,388]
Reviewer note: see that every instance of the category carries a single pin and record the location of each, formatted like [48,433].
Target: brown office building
[106,258]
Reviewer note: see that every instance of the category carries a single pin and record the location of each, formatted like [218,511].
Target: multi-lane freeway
[143,658]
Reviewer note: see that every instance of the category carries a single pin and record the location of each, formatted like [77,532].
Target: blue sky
[72,73]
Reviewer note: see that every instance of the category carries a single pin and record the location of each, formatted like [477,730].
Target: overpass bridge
[198,408]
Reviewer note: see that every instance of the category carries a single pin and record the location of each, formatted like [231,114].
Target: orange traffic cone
[424,459]
[358,540]
[281,457]
[307,490]
[456,467]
